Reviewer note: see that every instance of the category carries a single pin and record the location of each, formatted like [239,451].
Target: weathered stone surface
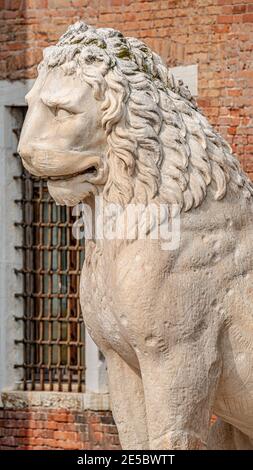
[106,118]
[13,399]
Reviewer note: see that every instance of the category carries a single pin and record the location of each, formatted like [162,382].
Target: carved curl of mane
[160,146]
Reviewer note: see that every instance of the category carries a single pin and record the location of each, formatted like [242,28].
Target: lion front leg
[179,391]
[128,403]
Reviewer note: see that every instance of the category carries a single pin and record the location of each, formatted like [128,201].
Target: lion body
[176,327]
[142,302]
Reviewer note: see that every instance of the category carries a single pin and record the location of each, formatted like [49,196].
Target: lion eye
[62,113]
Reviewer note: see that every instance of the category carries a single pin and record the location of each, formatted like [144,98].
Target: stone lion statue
[107,118]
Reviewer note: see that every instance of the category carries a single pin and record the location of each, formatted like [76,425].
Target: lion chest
[99,308]
[119,295]
[96,306]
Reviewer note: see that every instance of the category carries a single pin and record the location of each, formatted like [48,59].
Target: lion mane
[160,146]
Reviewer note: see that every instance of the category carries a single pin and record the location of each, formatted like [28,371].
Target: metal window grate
[53,330]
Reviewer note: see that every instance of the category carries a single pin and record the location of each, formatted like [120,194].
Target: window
[53,329]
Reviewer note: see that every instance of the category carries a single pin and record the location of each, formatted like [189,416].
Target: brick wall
[57,429]
[217,34]
[44,429]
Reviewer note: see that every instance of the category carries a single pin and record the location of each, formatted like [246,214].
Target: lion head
[106,116]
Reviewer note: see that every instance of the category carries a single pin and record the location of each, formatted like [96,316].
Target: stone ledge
[12,399]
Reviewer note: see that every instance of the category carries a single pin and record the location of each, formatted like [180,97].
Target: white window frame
[189,75]
[12,94]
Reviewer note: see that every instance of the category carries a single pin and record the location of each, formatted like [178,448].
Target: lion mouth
[74,188]
[91,171]
[56,165]
[94,170]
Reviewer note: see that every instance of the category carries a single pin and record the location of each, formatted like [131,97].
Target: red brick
[71,445]
[227,10]
[8,441]
[52,425]
[232,130]
[79,3]
[60,416]
[248,18]
[9,15]
[234,92]
[225,19]
[64,435]
[238,9]
[224,2]
[12,4]
[36,4]
[21,415]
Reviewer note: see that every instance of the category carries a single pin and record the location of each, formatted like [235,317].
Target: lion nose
[25,152]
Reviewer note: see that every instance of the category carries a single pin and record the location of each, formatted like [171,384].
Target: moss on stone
[97,43]
[123,53]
